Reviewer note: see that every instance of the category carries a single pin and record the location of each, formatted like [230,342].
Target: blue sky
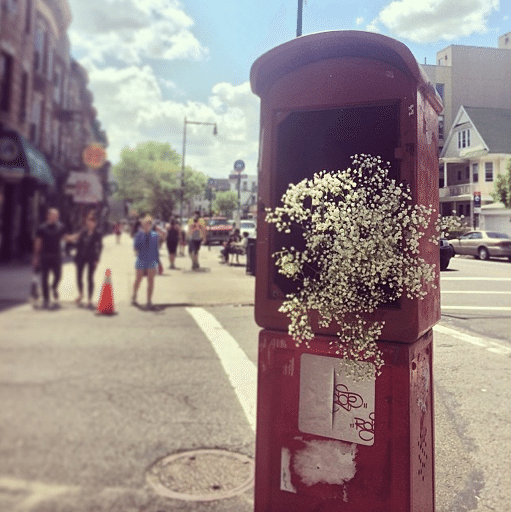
[152,62]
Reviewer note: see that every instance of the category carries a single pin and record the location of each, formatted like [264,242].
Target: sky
[153,62]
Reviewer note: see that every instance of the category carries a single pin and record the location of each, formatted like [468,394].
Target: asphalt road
[476,296]
[90,402]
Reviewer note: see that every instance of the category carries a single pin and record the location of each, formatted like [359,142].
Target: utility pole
[299,22]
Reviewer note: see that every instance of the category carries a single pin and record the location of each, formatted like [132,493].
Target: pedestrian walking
[172,239]
[118,232]
[196,235]
[146,245]
[89,245]
[47,256]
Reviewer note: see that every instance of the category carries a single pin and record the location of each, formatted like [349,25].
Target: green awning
[38,167]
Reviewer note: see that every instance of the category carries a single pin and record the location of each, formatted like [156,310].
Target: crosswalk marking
[240,369]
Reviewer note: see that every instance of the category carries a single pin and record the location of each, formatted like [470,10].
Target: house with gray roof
[476,150]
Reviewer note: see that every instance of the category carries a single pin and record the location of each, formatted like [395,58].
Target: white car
[248,226]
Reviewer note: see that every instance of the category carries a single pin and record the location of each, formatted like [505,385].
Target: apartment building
[46,118]
[475,125]
[477,149]
[471,76]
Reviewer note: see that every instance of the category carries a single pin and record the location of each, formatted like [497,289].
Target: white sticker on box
[332,404]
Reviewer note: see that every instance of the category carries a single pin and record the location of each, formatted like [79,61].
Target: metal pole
[299,22]
[183,175]
[239,200]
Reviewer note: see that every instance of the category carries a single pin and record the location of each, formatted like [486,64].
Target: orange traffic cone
[106,299]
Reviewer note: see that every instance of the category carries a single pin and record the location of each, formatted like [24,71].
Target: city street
[476,295]
[91,402]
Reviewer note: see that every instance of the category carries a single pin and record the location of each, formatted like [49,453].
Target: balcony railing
[457,190]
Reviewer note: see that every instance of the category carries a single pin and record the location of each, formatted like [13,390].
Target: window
[475,173]
[39,46]
[6,62]
[57,84]
[35,128]
[49,59]
[459,175]
[441,127]
[440,90]
[460,210]
[488,171]
[23,98]
[467,172]
[28,16]
[55,153]
[467,210]
[463,139]
[11,6]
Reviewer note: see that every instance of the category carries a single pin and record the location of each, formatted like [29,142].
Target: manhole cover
[202,475]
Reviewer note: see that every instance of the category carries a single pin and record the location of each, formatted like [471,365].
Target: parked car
[483,244]
[446,253]
[248,226]
[218,230]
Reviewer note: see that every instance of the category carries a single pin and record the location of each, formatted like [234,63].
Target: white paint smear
[330,462]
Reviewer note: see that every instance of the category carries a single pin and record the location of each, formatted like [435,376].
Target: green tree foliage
[225,202]
[502,192]
[149,176]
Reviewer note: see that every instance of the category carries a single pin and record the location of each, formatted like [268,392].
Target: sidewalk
[215,284]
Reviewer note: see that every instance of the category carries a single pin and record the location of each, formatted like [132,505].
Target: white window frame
[475,172]
[488,168]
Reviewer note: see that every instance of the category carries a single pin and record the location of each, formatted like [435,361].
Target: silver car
[483,244]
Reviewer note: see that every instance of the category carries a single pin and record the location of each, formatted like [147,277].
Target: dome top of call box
[304,50]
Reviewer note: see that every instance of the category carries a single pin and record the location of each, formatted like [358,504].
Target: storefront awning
[19,159]
[37,165]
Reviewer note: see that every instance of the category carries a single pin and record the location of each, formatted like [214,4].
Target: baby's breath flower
[361,244]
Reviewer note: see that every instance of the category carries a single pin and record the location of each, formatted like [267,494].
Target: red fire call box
[326,443]
[324,98]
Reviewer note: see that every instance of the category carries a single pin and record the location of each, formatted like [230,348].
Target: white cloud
[433,20]
[132,109]
[359,20]
[131,30]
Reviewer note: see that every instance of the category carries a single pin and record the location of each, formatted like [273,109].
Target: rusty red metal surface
[395,474]
[324,98]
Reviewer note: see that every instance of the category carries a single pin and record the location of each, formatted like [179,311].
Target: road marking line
[491,346]
[477,308]
[241,371]
[475,278]
[472,292]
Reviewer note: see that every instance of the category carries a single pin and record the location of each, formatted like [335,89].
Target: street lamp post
[299,19]
[215,132]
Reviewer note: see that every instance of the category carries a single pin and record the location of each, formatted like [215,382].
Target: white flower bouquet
[360,250]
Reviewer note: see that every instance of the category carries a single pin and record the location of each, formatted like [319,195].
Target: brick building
[46,119]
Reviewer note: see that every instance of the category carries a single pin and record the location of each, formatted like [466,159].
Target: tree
[225,202]
[502,192]
[149,176]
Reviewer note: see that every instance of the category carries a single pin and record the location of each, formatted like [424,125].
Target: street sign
[477,199]
[94,156]
[239,165]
